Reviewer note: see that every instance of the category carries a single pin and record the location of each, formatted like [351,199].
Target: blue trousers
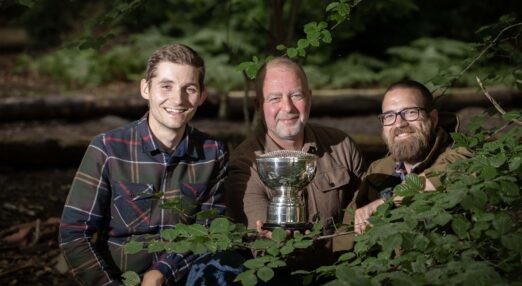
[216,269]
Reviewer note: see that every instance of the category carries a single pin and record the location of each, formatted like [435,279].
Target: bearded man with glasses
[416,144]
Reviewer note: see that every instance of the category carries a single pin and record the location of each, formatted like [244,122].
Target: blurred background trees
[90,43]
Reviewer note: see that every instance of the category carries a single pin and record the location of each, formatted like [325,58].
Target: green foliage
[467,232]
[315,32]
[131,278]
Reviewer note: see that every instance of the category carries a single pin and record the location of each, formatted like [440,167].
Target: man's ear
[144,89]
[203,96]
[434,116]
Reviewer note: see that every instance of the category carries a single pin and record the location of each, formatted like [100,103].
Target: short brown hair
[283,61]
[427,97]
[178,54]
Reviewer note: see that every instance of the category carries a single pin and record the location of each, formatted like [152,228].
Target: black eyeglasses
[408,114]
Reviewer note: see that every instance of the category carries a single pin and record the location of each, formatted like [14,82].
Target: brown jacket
[379,177]
[340,167]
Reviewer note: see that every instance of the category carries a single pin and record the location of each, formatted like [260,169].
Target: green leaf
[421,242]
[247,278]
[509,190]
[27,3]
[322,25]
[303,244]
[198,247]
[197,230]
[132,247]
[301,52]
[280,47]
[459,139]
[332,6]
[179,247]
[291,52]
[498,160]
[512,115]
[502,223]
[442,218]
[310,28]
[156,246]
[261,244]
[278,235]
[206,214]
[302,43]
[513,241]
[276,263]
[415,180]
[265,273]
[131,278]
[391,243]
[254,263]
[488,172]
[346,256]
[287,249]
[327,36]
[219,225]
[460,226]
[515,163]
[169,234]
[273,250]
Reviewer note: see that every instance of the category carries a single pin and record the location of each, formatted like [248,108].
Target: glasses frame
[401,114]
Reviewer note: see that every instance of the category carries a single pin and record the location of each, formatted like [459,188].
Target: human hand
[263,233]
[152,278]
[362,214]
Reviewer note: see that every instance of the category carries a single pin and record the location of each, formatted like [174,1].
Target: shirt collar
[150,145]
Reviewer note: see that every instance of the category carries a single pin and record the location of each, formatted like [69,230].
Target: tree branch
[494,102]
[491,44]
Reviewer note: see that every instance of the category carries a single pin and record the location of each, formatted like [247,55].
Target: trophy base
[288,226]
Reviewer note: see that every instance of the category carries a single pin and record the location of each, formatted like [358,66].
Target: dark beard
[411,150]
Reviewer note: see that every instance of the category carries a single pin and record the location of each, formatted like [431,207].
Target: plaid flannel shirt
[114,196]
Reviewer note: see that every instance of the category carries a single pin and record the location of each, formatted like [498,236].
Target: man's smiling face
[174,95]
[408,141]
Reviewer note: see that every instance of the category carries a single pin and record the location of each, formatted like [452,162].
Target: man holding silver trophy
[291,173]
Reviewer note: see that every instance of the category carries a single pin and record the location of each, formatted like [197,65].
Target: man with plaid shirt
[127,173]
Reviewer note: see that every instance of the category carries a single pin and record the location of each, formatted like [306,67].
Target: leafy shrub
[466,233]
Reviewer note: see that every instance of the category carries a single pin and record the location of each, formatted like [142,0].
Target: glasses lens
[388,118]
[410,114]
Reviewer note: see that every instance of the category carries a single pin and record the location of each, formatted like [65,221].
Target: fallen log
[335,103]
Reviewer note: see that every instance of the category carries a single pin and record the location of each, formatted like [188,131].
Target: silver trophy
[285,173]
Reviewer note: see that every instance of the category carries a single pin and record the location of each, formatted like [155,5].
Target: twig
[16,269]
[36,232]
[479,56]
[334,235]
[494,102]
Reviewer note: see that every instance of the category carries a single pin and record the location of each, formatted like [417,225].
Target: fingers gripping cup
[285,173]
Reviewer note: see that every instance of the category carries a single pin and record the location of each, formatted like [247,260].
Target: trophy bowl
[285,173]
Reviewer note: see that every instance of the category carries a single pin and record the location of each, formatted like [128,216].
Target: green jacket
[379,176]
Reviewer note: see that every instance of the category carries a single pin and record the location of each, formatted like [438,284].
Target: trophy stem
[286,208]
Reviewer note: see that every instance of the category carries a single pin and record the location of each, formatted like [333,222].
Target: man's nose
[176,96]
[288,104]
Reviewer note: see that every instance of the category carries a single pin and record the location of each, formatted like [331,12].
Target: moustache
[400,130]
